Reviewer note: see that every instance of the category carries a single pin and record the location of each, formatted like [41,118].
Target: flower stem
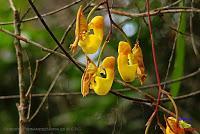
[155,66]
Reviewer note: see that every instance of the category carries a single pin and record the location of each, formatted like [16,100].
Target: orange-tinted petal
[138,56]
[87,76]
[92,41]
[81,29]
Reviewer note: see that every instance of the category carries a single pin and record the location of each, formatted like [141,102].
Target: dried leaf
[81,29]
[87,76]
[138,56]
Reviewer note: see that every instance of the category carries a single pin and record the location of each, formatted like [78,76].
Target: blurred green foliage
[99,114]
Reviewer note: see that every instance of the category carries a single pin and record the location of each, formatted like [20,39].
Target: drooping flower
[104,76]
[100,78]
[130,62]
[88,36]
[177,127]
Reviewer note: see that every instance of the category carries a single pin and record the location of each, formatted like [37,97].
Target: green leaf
[180,54]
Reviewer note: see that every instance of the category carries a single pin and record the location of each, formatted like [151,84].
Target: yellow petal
[124,48]
[93,40]
[137,52]
[103,82]
[126,67]
[97,25]
[91,44]
[87,76]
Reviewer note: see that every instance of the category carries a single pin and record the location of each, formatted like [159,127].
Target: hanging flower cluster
[100,78]
[89,37]
[130,62]
[177,127]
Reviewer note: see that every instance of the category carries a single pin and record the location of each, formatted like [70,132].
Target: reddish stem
[154,61]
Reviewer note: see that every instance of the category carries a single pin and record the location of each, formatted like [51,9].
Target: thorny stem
[155,66]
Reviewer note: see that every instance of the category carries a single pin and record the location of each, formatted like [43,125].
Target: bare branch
[181,97]
[53,37]
[49,90]
[46,14]
[155,12]
[19,54]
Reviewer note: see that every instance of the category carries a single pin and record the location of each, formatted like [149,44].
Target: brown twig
[49,90]
[155,66]
[173,81]
[41,60]
[134,88]
[155,12]
[45,14]
[27,11]
[33,43]
[181,97]
[19,55]
[171,55]
[53,36]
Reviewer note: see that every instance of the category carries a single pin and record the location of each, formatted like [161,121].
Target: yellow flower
[88,36]
[104,76]
[130,63]
[174,127]
[100,78]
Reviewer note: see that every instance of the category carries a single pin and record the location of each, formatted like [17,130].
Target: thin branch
[40,95]
[138,100]
[27,11]
[49,90]
[172,81]
[181,97]
[38,62]
[172,54]
[46,14]
[191,31]
[33,43]
[134,89]
[170,5]
[19,55]
[155,12]
[53,37]
[46,56]
[155,66]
